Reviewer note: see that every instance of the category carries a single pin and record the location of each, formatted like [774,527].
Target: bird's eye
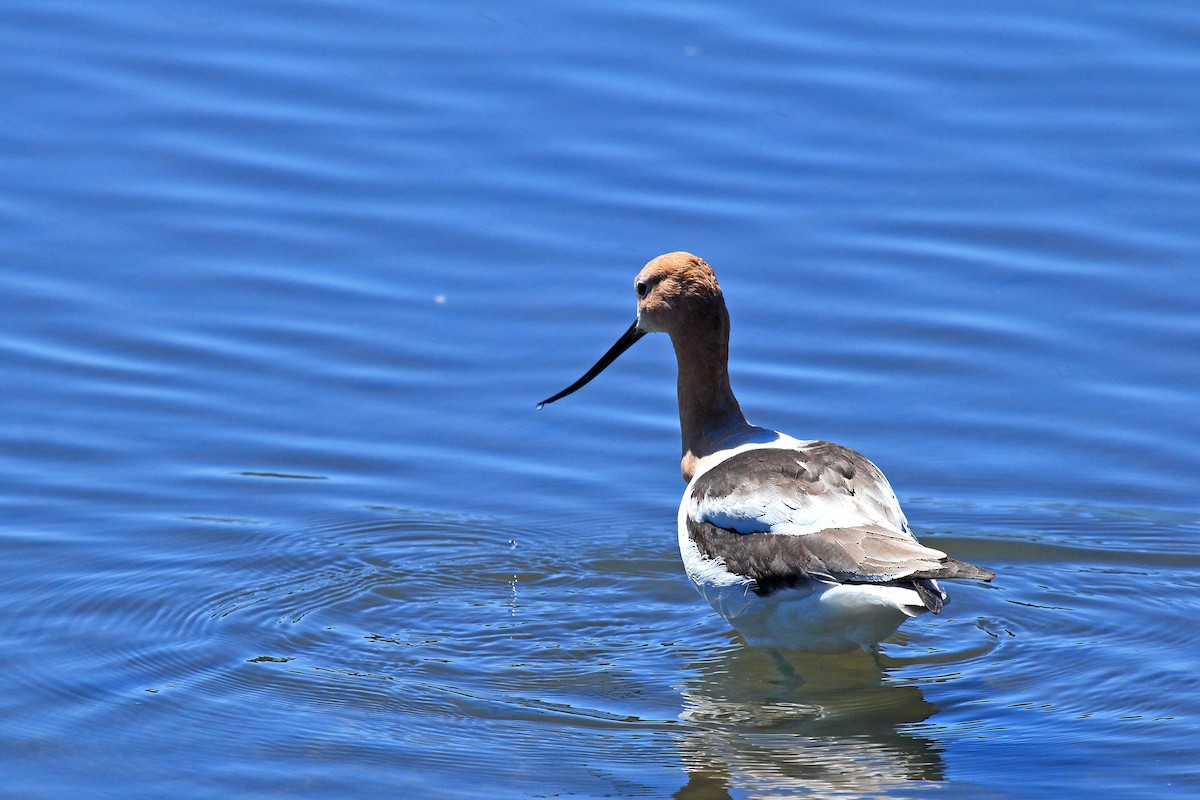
[641,289]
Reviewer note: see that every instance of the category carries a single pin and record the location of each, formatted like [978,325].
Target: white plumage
[814,614]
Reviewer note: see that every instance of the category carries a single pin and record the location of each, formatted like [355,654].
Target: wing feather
[814,486]
[780,517]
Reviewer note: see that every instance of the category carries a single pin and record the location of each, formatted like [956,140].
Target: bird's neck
[710,418]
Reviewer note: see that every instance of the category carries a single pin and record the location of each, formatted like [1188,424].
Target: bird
[798,544]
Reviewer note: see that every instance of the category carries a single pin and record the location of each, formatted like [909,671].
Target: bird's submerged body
[798,544]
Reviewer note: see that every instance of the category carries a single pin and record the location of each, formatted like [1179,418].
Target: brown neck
[709,414]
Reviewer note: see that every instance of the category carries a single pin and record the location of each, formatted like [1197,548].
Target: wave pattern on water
[282,285]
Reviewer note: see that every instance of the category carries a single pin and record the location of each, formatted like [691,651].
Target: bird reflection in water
[765,722]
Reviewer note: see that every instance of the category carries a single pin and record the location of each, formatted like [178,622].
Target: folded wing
[781,516]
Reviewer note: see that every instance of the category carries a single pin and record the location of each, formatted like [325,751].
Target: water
[282,283]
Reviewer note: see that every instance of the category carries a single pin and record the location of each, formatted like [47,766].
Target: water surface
[282,284]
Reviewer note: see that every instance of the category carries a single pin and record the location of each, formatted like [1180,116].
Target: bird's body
[798,544]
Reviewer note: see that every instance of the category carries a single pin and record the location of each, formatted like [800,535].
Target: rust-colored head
[671,287]
[673,290]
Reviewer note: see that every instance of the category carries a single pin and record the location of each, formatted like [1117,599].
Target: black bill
[624,343]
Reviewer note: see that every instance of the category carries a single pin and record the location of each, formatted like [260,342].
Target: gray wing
[755,512]
[803,489]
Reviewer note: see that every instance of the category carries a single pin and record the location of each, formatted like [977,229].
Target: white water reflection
[767,723]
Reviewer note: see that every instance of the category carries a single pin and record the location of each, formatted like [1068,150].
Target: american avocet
[798,544]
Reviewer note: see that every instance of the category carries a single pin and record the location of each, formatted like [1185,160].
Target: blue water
[280,284]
